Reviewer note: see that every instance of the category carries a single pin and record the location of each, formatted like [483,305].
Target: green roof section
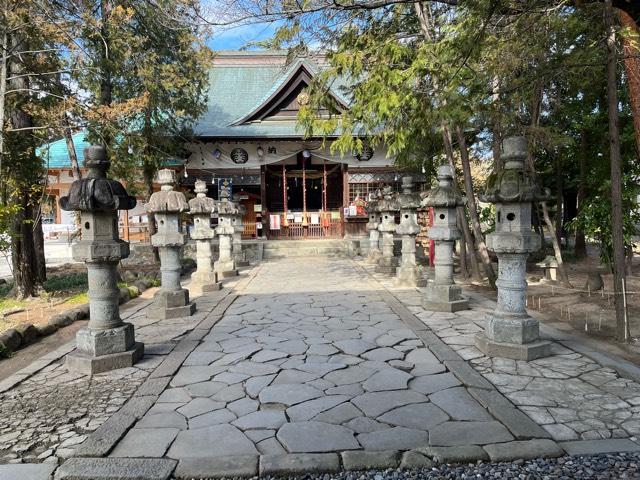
[236,90]
[55,155]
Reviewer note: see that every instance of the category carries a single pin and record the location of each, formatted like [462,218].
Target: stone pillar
[226,266]
[442,294]
[388,207]
[408,274]
[373,250]
[510,332]
[171,301]
[204,279]
[107,342]
[239,257]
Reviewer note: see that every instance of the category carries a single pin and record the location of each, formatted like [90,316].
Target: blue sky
[235,38]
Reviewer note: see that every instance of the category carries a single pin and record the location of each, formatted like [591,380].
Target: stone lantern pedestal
[407,273]
[442,294]
[226,266]
[204,279]
[171,301]
[510,331]
[388,207]
[373,250]
[239,256]
[106,343]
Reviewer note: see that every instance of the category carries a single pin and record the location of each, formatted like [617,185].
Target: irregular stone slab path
[308,364]
[308,360]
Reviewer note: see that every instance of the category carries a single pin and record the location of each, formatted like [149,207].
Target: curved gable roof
[240,89]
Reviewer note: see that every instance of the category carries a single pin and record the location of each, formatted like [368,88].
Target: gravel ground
[610,466]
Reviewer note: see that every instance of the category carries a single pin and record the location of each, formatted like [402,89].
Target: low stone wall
[142,253]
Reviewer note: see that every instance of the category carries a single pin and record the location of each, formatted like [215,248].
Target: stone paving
[570,395]
[312,364]
[46,416]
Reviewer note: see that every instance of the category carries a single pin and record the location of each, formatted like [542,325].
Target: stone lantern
[226,266]
[107,342]
[171,301]
[239,257]
[387,206]
[408,273]
[510,332]
[204,279]
[442,294]
[373,249]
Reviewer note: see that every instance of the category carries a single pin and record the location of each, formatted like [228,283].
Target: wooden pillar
[126,226]
[285,222]
[264,215]
[304,193]
[345,193]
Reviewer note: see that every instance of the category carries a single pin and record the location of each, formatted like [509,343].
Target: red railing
[309,225]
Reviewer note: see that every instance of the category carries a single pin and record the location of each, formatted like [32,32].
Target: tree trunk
[631,49]
[68,136]
[25,275]
[105,68]
[622,330]
[462,217]
[581,244]
[562,270]
[473,210]
[4,47]
[27,261]
[464,270]
[559,199]
[38,247]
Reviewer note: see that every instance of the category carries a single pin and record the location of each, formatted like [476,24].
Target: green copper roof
[56,154]
[237,90]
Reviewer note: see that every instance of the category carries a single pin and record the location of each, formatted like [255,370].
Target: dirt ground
[38,310]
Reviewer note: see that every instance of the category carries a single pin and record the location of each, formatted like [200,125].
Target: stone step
[303,248]
[302,252]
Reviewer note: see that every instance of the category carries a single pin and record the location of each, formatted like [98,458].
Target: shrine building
[249,144]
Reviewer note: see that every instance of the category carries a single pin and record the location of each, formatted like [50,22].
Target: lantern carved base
[100,351]
[171,304]
[515,351]
[226,269]
[373,256]
[204,282]
[410,277]
[444,298]
[387,266]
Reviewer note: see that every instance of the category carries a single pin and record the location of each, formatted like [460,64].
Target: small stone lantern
[408,273]
[510,332]
[373,249]
[442,294]
[107,342]
[226,266]
[204,279]
[387,206]
[239,257]
[171,301]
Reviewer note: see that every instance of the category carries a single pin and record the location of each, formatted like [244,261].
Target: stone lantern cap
[225,207]
[201,204]
[409,199]
[96,192]
[513,184]
[389,201]
[167,200]
[445,195]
